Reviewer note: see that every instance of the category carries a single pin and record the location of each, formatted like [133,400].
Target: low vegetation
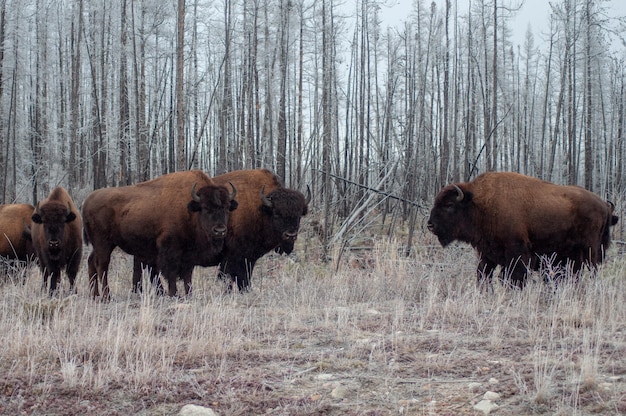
[375,333]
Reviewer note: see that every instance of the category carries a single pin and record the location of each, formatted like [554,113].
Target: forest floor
[372,332]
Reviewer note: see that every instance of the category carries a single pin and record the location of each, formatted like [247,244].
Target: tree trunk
[180,87]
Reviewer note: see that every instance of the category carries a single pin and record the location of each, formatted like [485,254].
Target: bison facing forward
[268,218]
[177,220]
[15,238]
[514,220]
[56,236]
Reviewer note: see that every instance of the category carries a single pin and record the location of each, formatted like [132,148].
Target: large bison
[15,238]
[514,220]
[56,236]
[268,218]
[177,220]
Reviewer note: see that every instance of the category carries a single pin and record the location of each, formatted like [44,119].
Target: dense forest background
[97,93]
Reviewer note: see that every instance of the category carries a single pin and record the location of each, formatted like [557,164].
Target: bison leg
[171,284]
[98,267]
[93,276]
[138,266]
[239,271]
[137,274]
[185,275]
[170,272]
[45,274]
[519,258]
[484,274]
[54,281]
[72,269]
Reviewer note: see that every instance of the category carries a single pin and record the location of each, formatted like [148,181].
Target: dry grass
[376,334]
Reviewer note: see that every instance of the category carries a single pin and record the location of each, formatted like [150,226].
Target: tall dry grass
[375,333]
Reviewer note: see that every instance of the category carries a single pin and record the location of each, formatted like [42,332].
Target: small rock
[474,387]
[606,386]
[339,392]
[485,406]
[194,410]
[324,377]
[491,395]
[493,381]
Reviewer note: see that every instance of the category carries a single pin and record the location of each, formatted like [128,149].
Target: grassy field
[375,333]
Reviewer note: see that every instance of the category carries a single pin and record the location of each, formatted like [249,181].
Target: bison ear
[194,206]
[70,217]
[305,210]
[37,219]
[233,205]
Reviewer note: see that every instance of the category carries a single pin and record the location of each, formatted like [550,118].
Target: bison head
[285,207]
[213,205]
[449,214]
[53,216]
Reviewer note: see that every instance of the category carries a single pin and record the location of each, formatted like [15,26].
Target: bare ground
[375,333]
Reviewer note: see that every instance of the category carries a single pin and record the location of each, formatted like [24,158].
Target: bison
[268,218]
[177,220]
[514,221]
[56,237]
[15,238]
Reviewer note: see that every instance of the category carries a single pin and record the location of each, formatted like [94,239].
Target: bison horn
[308,195]
[611,205]
[234,192]
[266,201]
[194,194]
[459,193]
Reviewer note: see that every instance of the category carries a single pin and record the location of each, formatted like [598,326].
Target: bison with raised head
[177,220]
[268,218]
[15,239]
[56,236]
[514,220]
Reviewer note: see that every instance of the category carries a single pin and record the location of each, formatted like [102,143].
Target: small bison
[15,239]
[56,236]
[177,220]
[268,218]
[514,220]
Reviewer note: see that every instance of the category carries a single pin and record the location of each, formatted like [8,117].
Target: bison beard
[267,218]
[515,221]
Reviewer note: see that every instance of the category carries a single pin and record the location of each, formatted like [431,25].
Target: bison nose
[430,225]
[290,236]
[219,231]
[54,243]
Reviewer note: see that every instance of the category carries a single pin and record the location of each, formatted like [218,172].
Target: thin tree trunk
[180,87]
[74,138]
[281,148]
[124,110]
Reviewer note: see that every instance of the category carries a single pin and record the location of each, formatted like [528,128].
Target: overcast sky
[533,12]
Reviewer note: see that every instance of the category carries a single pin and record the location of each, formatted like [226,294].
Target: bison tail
[611,220]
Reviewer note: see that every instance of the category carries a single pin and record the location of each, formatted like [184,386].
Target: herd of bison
[185,219]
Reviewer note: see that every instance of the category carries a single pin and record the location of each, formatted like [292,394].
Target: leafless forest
[107,93]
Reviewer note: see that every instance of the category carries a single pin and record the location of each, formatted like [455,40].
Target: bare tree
[74,136]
